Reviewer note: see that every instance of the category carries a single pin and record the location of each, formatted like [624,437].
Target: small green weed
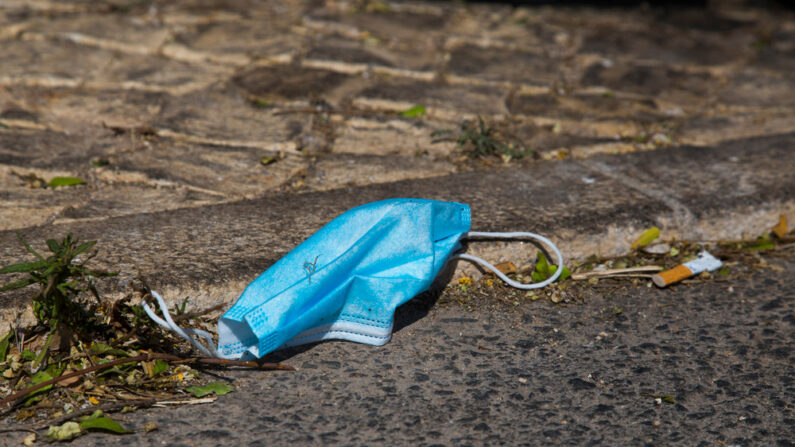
[93,349]
[180,309]
[544,271]
[413,112]
[65,181]
[260,103]
[100,162]
[480,140]
[61,277]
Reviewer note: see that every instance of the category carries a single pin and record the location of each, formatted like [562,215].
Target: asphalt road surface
[718,354]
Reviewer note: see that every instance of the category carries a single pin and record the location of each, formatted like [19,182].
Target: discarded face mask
[345,281]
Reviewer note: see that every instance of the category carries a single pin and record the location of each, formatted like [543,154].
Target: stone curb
[595,206]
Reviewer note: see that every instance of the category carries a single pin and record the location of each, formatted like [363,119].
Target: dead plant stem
[148,357]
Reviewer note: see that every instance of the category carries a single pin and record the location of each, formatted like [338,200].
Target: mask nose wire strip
[513,235]
[168,323]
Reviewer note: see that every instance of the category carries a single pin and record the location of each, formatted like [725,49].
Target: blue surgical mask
[345,281]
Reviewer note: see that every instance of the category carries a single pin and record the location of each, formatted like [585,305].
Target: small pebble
[657,249]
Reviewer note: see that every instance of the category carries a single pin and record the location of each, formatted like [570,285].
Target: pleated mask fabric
[346,280]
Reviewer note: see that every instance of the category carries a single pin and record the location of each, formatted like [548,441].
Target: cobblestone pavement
[180,100]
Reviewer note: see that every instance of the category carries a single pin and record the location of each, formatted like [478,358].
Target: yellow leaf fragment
[780,230]
[646,237]
[70,381]
[506,267]
[65,432]
[29,439]
[149,368]
[93,400]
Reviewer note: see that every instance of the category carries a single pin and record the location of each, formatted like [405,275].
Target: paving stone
[756,88]
[544,139]
[46,58]
[138,33]
[330,173]
[506,65]
[265,37]
[343,50]
[669,44]
[225,114]
[587,106]
[289,82]
[90,113]
[482,100]
[42,149]
[387,24]
[665,83]
[49,62]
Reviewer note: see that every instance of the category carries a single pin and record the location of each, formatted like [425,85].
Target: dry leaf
[69,381]
[65,432]
[149,368]
[25,414]
[647,237]
[780,230]
[29,439]
[506,267]
[657,249]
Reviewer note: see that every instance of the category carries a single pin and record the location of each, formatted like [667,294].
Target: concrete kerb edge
[613,240]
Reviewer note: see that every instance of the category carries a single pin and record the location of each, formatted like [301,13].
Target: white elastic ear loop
[168,323]
[513,235]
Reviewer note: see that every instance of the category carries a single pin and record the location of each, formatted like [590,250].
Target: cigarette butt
[668,277]
[705,262]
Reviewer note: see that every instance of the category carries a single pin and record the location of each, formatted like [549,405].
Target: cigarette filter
[704,263]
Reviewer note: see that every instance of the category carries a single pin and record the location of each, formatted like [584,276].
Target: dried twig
[616,272]
[201,400]
[198,313]
[8,429]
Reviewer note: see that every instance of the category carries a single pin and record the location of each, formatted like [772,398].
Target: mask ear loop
[513,235]
[169,324]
